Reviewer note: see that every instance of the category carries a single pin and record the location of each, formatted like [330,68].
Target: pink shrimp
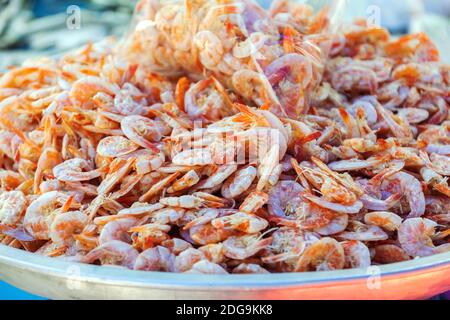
[357,254]
[324,255]
[117,230]
[415,235]
[155,259]
[411,188]
[284,199]
[113,253]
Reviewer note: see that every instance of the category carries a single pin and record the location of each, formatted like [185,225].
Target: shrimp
[155,259]
[386,220]
[10,180]
[168,216]
[214,252]
[186,201]
[141,131]
[267,166]
[243,247]
[65,226]
[208,100]
[186,259]
[49,158]
[284,199]
[287,246]
[193,157]
[254,87]
[415,235]
[290,75]
[309,217]
[357,255]
[356,164]
[146,160]
[41,213]
[12,205]
[389,253]
[210,48]
[113,253]
[436,162]
[414,115]
[206,233]
[176,245]
[324,255]
[362,232]
[115,146]
[254,201]
[159,187]
[72,171]
[219,176]
[190,179]
[336,225]
[241,221]
[411,188]
[350,209]
[84,89]
[240,182]
[117,230]
[149,235]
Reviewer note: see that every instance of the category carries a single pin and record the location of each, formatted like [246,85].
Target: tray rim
[171,281]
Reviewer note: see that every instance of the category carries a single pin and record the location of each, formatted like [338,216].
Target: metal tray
[57,279]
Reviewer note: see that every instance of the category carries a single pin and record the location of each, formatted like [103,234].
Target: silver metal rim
[102,274]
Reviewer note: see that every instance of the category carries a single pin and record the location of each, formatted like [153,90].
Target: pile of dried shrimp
[232,151]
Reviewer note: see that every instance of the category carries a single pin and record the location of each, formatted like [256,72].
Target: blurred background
[31,28]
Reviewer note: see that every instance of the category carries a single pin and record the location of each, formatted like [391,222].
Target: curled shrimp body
[241,221]
[12,205]
[389,253]
[240,182]
[206,100]
[324,255]
[66,225]
[361,232]
[414,236]
[243,247]
[210,48]
[115,146]
[386,220]
[72,171]
[254,201]
[155,259]
[149,235]
[411,188]
[337,225]
[341,208]
[41,213]
[357,254]
[186,259]
[117,230]
[190,179]
[142,131]
[222,173]
[255,87]
[284,75]
[113,253]
[284,199]
[146,160]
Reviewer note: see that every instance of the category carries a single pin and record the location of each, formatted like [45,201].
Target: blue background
[8,292]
